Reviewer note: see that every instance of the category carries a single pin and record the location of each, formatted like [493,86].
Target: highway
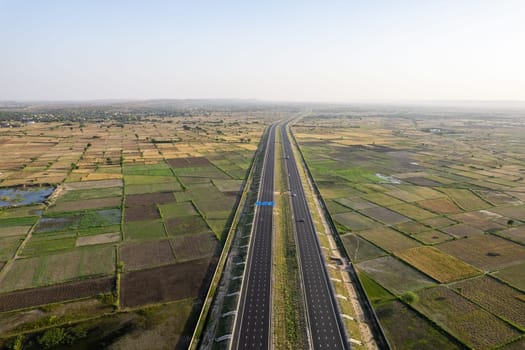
[326,329]
[253,320]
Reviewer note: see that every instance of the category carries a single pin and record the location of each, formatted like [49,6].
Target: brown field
[160,284]
[141,213]
[141,255]
[480,220]
[103,238]
[513,275]
[462,231]
[412,211]
[355,221]
[85,204]
[384,215]
[133,200]
[14,231]
[465,198]
[485,252]
[189,162]
[432,237]
[412,227]
[92,184]
[515,233]
[436,264]
[438,222]
[464,319]
[496,297]
[57,293]
[195,246]
[388,239]
[516,212]
[440,206]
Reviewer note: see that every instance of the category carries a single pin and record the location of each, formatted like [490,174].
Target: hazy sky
[275,50]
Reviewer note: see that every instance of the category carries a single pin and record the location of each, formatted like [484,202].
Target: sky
[322,51]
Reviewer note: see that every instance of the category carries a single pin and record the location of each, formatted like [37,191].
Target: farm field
[430,209]
[128,212]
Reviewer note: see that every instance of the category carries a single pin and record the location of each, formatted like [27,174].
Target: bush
[52,337]
[410,297]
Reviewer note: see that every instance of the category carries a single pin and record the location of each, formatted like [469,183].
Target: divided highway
[326,330]
[253,320]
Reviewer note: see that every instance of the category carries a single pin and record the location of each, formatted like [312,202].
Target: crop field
[436,264]
[407,330]
[394,275]
[494,296]
[148,200]
[388,239]
[486,252]
[457,196]
[464,319]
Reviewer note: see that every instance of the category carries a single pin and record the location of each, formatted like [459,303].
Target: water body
[17,196]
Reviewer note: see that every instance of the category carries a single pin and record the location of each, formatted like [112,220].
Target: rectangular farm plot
[464,319]
[496,297]
[432,237]
[412,211]
[516,234]
[159,169]
[482,220]
[355,203]
[136,256]
[406,329]
[195,246]
[186,225]
[440,206]
[84,194]
[188,162]
[228,185]
[462,231]
[516,212]
[173,210]
[384,215]
[61,267]
[381,199]
[355,221]
[165,283]
[513,275]
[18,221]
[42,244]
[436,264]
[8,246]
[394,275]
[486,252]
[388,239]
[14,231]
[465,198]
[146,229]
[359,249]
[103,238]
[153,187]
[85,204]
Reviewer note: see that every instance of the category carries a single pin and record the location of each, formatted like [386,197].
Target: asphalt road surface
[325,326]
[252,325]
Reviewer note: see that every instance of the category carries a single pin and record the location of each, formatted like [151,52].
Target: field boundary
[376,328]
[210,296]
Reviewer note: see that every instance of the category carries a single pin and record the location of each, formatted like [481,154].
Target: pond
[17,196]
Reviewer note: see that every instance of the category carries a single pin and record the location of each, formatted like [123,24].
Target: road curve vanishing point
[326,329]
[253,320]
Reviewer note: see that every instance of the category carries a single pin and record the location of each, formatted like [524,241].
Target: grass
[377,294]
[8,246]
[513,275]
[38,246]
[359,249]
[160,169]
[436,264]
